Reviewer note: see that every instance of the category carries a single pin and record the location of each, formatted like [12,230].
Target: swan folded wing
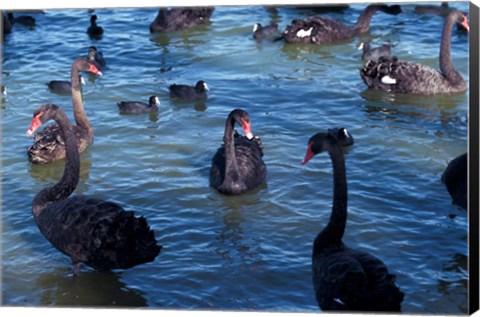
[316,30]
[252,169]
[384,294]
[339,281]
[98,233]
[406,77]
[355,280]
[49,144]
[250,163]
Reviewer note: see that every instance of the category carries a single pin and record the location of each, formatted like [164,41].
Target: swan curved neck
[78,110]
[338,218]
[446,66]
[71,174]
[363,22]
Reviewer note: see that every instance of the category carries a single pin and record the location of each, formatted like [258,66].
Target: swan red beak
[35,124]
[465,23]
[247,130]
[95,70]
[308,155]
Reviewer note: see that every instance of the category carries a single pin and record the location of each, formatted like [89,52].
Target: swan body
[49,145]
[24,20]
[136,107]
[189,93]
[7,24]
[344,278]
[455,179]
[319,30]
[237,166]
[98,233]
[374,54]
[393,75]
[180,18]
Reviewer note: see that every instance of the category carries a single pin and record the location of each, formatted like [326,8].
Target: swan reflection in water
[60,289]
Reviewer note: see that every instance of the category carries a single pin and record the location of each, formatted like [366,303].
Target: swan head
[323,141]
[463,20]
[41,115]
[243,118]
[95,70]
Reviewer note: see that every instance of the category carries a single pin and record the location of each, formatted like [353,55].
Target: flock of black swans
[104,236]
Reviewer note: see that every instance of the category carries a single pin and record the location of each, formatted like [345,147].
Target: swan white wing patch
[302,33]
[388,80]
[338,300]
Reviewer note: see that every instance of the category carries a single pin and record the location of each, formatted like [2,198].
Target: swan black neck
[71,174]
[231,166]
[446,66]
[162,17]
[363,22]
[78,110]
[338,218]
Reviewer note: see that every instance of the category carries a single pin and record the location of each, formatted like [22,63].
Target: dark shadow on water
[453,281]
[443,107]
[442,101]
[236,246]
[93,289]
[197,105]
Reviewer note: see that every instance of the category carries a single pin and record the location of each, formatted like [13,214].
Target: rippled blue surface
[250,252]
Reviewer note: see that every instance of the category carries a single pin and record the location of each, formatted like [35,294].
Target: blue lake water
[250,252]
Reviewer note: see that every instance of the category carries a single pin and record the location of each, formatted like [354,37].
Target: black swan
[180,18]
[237,166]
[455,179]
[393,75]
[135,107]
[94,31]
[96,57]
[62,87]
[98,233]
[319,30]
[7,24]
[260,32]
[374,54]
[24,20]
[443,10]
[189,93]
[343,278]
[48,145]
